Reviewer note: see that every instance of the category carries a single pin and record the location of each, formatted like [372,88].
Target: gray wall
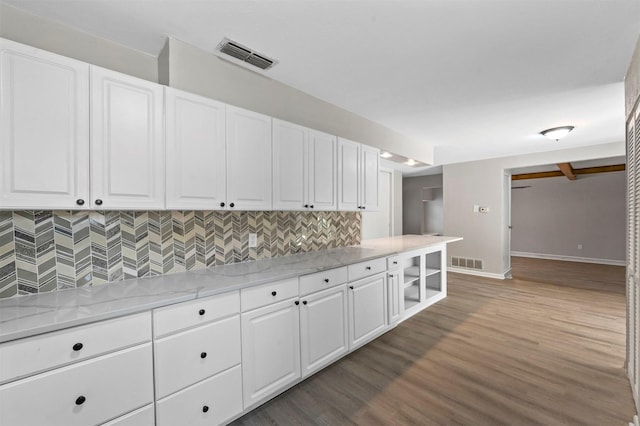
[397,203]
[481,182]
[48,35]
[197,71]
[554,215]
[412,206]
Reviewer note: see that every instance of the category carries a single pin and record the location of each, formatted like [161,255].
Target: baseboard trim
[569,258]
[478,273]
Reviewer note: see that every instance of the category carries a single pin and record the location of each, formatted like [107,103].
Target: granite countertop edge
[26,316]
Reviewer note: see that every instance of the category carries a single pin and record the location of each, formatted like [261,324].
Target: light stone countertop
[30,315]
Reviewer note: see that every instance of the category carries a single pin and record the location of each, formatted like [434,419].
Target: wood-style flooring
[546,347]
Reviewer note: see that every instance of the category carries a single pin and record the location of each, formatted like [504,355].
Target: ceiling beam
[557,173]
[567,170]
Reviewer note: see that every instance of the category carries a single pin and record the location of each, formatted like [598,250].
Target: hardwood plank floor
[546,347]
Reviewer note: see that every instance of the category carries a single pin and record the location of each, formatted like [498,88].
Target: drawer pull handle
[351,287]
[77,347]
[203,355]
[368,268]
[80,400]
[205,408]
[304,302]
[273,293]
[201,311]
[326,280]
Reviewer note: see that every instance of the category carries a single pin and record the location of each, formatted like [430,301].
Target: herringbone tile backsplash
[44,251]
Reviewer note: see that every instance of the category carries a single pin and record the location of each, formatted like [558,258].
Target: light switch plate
[253,240]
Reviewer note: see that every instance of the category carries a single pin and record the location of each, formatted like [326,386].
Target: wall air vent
[246,54]
[463,262]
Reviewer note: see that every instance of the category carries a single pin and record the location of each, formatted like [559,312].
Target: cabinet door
[323,328]
[44,129]
[196,174]
[322,171]
[270,350]
[248,160]
[127,142]
[368,309]
[289,166]
[369,176]
[348,174]
[394,297]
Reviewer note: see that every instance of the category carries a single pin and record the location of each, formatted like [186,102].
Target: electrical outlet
[476,208]
[579,246]
[253,240]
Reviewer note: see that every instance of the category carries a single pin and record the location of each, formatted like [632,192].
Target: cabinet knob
[77,346]
[203,355]
[205,408]
[326,280]
[368,268]
[98,202]
[201,311]
[232,205]
[351,287]
[395,262]
[364,207]
[297,302]
[311,206]
[80,201]
[304,302]
[221,204]
[273,293]
[306,206]
[80,400]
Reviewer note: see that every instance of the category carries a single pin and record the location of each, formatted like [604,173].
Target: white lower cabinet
[210,402]
[145,416]
[324,335]
[86,393]
[270,350]
[367,309]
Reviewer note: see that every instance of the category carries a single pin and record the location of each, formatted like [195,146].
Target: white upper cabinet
[323,171]
[358,170]
[196,165]
[304,168]
[127,142]
[290,157]
[248,160]
[370,172]
[44,129]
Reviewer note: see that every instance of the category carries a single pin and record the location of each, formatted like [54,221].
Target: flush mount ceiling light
[386,155]
[557,133]
[411,162]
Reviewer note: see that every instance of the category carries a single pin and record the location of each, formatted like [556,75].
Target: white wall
[481,182]
[555,214]
[48,35]
[197,71]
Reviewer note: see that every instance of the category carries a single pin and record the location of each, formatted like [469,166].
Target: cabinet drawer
[86,393]
[185,358]
[393,262]
[142,417]
[190,314]
[266,294]
[210,402]
[322,280]
[365,269]
[24,357]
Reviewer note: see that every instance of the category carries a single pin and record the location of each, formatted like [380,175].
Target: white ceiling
[475,78]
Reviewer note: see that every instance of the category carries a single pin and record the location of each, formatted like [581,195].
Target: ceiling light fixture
[557,133]
[411,162]
[386,155]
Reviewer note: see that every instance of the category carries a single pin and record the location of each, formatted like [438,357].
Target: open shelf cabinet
[422,278]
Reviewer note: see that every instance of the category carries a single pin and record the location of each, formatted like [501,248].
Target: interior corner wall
[552,216]
[397,203]
[412,209]
[32,30]
[197,71]
[481,183]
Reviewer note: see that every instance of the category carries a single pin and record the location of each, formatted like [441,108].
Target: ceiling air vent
[245,54]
